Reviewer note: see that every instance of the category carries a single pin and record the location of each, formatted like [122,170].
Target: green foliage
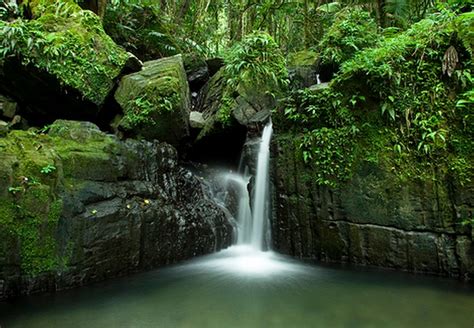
[468,222]
[225,110]
[68,44]
[256,62]
[328,133]
[330,152]
[352,31]
[50,168]
[140,28]
[403,75]
[408,104]
[317,108]
[15,190]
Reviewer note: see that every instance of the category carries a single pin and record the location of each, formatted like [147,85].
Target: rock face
[78,206]
[63,65]
[223,111]
[302,69]
[372,219]
[196,71]
[155,101]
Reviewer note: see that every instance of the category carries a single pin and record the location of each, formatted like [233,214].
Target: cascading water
[244,215]
[250,255]
[251,224]
[261,199]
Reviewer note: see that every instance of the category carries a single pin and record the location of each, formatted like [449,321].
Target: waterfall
[244,214]
[261,199]
[250,255]
[251,224]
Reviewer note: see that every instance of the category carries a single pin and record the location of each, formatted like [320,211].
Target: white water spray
[248,257]
[261,199]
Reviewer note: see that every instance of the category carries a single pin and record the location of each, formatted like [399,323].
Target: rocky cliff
[77,206]
[373,219]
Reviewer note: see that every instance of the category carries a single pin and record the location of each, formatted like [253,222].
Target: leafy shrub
[351,31]
[141,29]
[406,101]
[256,62]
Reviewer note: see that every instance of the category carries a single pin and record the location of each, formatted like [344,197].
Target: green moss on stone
[30,206]
[156,100]
[69,44]
[302,58]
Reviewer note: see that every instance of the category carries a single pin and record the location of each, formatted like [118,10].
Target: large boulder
[155,101]
[62,64]
[219,136]
[223,109]
[78,206]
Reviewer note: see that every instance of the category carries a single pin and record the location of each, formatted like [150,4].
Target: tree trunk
[96,6]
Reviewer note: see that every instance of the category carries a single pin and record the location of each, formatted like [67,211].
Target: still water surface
[240,287]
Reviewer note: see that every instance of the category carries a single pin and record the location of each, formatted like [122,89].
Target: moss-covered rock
[302,58]
[155,101]
[60,64]
[302,69]
[253,78]
[37,8]
[78,205]
[29,208]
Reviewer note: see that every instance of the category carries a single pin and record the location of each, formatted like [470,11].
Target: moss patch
[30,206]
[156,100]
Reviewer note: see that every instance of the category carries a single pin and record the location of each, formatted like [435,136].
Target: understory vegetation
[401,85]
[404,102]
